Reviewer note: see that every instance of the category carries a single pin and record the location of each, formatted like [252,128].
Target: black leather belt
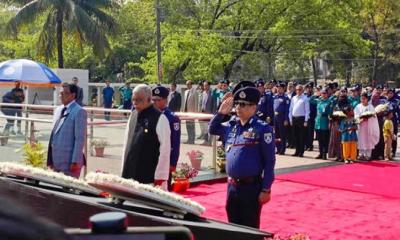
[244,180]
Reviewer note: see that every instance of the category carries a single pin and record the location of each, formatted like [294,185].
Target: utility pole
[158,32]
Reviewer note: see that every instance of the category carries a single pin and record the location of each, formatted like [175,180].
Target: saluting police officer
[281,108]
[160,100]
[250,153]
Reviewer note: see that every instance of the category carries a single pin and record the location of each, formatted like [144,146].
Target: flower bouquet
[181,177]
[196,157]
[367,114]
[381,108]
[338,115]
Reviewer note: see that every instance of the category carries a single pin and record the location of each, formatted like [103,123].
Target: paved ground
[114,134]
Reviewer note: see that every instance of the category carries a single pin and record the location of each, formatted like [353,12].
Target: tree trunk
[348,69]
[59,30]
[314,68]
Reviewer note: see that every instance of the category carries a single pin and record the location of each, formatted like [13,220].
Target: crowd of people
[302,113]
[254,120]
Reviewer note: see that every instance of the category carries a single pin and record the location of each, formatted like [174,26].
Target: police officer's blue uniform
[175,126]
[250,155]
[281,108]
[265,108]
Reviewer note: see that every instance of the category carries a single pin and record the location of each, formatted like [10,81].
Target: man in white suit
[65,152]
[191,105]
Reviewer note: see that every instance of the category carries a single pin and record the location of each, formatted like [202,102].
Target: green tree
[83,21]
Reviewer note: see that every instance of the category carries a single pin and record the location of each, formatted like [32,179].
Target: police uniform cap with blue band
[242,84]
[226,81]
[259,82]
[160,91]
[249,95]
[282,84]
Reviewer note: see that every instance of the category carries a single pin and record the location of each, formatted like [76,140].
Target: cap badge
[242,94]
[157,91]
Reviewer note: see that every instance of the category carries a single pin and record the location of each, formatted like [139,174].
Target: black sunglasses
[244,104]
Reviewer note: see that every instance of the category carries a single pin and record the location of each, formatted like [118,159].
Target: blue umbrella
[28,72]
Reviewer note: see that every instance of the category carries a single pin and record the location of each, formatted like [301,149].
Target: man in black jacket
[174,99]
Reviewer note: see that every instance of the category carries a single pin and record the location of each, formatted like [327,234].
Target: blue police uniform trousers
[280,133]
[242,204]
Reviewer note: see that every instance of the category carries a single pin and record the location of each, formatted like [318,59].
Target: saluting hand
[226,105]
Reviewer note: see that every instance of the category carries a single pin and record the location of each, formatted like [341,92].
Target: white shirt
[299,107]
[57,115]
[204,100]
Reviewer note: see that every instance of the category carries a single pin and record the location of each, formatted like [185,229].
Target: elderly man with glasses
[299,113]
[250,153]
[147,145]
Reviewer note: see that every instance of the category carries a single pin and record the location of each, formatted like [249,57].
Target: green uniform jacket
[324,110]
[354,101]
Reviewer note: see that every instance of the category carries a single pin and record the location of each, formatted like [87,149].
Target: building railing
[37,120]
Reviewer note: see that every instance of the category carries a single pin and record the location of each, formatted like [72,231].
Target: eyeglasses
[298,89]
[138,100]
[242,105]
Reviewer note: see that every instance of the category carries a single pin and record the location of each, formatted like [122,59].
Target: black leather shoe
[324,156]
[300,155]
[319,156]
[295,155]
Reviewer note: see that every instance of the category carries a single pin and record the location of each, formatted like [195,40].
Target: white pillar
[55,96]
[98,102]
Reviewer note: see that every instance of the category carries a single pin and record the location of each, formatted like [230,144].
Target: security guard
[309,92]
[281,119]
[265,108]
[160,100]
[250,154]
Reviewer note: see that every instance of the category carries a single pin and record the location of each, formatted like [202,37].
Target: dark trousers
[310,133]
[289,135]
[299,132]
[242,205]
[280,133]
[323,140]
[191,131]
[107,115]
[394,143]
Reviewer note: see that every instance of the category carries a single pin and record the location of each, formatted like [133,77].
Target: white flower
[102,178]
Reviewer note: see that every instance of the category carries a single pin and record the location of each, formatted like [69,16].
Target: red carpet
[380,178]
[329,207]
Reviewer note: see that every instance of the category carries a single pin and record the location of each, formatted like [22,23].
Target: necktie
[59,119]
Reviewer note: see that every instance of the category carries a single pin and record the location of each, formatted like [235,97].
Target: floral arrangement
[195,155]
[339,114]
[110,179]
[184,171]
[297,236]
[381,108]
[34,154]
[99,143]
[367,114]
[9,168]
